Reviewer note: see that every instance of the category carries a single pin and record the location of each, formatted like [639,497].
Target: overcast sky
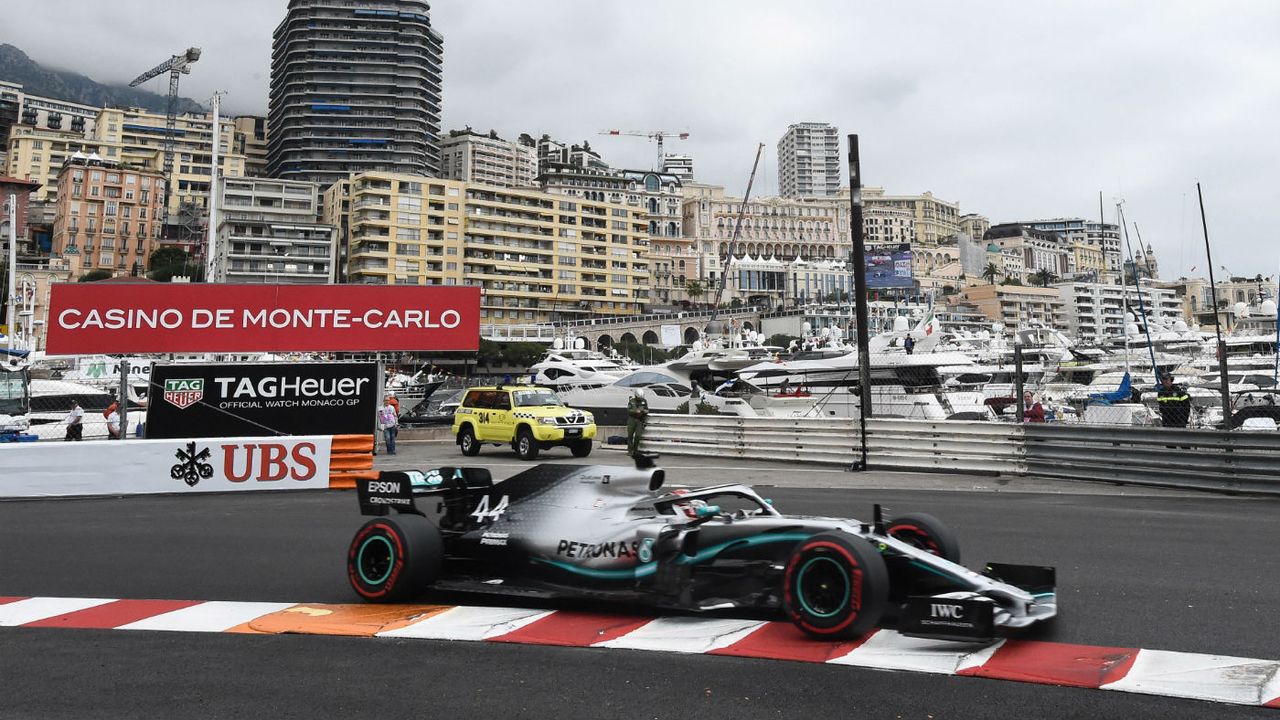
[1017,110]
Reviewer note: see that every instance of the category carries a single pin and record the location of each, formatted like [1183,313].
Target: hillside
[16,67]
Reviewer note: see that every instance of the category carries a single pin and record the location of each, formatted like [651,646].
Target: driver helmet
[690,507]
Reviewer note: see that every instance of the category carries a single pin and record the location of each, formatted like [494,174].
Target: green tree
[1043,278]
[169,255]
[991,272]
[694,288]
[94,275]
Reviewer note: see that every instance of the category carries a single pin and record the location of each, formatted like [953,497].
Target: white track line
[34,609]
[469,623]
[213,616]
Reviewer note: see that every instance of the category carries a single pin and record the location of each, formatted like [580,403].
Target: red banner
[97,318]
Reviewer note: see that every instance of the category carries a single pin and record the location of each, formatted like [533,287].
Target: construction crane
[659,135]
[175,66]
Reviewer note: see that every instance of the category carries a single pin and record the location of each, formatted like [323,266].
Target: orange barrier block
[352,444]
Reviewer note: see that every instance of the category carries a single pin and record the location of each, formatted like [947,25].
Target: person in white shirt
[389,424]
[113,424]
[75,422]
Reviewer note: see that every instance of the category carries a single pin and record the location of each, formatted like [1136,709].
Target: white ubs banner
[139,467]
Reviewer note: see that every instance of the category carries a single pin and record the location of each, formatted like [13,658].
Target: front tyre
[581,448]
[526,445]
[926,532]
[394,558]
[467,441]
[835,586]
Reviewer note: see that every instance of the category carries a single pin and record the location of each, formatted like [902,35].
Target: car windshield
[534,398]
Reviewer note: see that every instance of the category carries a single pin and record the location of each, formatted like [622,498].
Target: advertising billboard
[888,266]
[92,318]
[262,399]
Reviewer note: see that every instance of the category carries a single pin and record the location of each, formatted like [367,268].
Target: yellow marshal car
[527,417]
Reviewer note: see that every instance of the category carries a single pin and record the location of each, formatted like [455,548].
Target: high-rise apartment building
[267,233]
[679,165]
[809,161]
[108,213]
[355,86]
[140,134]
[536,256]
[134,137]
[251,142]
[487,159]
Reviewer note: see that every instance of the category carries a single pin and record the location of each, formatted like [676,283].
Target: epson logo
[946,610]
[384,486]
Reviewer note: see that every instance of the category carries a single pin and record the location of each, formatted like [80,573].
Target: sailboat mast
[1137,287]
[737,228]
[1217,323]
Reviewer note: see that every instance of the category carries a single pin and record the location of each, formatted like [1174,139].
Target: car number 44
[483,512]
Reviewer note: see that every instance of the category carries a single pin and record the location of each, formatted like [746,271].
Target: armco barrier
[815,440]
[946,446]
[1198,459]
[199,465]
[1167,457]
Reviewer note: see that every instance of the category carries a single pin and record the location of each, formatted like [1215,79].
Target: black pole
[1017,375]
[1137,288]
[859,263]
[1217,323]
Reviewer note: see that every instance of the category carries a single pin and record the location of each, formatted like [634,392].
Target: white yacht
[665,388]
[565,368]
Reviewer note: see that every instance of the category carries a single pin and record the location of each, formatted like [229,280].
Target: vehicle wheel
[467,441]
[394,558]
[927,533]
[581,448]
[835,586]
[526,446]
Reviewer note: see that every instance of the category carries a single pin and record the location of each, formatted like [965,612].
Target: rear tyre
[581,448]
[394,558]
[927,533]
[467,441]
[835,586]
[526,445]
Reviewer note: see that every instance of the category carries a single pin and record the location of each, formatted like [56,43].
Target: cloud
[1016,110]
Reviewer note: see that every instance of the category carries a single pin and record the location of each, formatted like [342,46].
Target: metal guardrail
[810,440]
[1164,457]
[952,446]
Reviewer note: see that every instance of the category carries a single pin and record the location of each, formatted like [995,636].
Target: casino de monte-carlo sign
[89,318]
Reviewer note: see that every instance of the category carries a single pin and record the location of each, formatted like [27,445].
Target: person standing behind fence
[909,344]
[1033,412]
[113,421]
[637,415]
[75,422]
[1175,403]
[389,424]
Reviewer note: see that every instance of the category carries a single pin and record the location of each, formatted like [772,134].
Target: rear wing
[397,488]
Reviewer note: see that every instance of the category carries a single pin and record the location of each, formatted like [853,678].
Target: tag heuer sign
[184,393]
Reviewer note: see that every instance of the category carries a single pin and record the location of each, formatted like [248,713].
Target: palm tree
[990,272]
[1043,278]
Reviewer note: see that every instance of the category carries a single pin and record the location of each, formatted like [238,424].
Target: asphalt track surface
[1168,571]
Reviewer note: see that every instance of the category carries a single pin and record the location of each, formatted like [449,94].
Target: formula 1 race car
[600,532]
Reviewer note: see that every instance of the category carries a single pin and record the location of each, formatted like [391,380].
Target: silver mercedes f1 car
[610,533]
